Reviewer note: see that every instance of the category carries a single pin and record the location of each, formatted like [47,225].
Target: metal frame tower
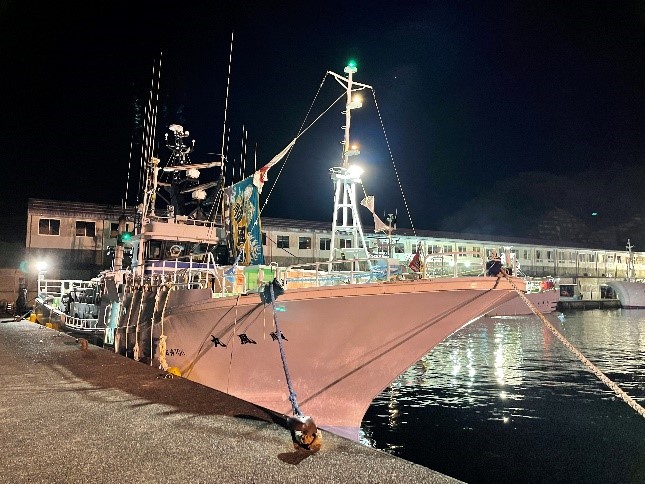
[346,177]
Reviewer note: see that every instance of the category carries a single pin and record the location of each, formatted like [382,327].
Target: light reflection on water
[504,401]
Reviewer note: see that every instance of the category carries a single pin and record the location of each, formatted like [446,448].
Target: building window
[345,243]
[264,238]
[282,242]
[325,244]
[85,229]
[304,242]
[48,226]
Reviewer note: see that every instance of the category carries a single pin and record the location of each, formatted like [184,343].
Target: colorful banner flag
[243,221]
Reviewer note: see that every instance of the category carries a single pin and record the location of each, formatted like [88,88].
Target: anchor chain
[303,429]
[613,386]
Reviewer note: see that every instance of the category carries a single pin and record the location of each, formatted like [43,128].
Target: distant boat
[630,292]
[320,340]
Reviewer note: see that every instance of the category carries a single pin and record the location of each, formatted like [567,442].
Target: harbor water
[504,401]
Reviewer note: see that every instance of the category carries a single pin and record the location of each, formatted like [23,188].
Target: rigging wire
[300,133]
[396,172]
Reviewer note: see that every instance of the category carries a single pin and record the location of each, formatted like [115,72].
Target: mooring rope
[163,364]
[136,351]
[617,390]
[292,393]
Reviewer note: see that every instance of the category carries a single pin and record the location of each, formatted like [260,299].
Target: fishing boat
[316,341]
[630,292]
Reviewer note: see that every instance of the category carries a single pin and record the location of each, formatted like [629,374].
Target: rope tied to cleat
[594,369]
[303,429]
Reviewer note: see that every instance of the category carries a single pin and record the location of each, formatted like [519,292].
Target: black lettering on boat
[217,342]
[274,336]
[245,339]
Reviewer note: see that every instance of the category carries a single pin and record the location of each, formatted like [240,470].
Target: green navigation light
[124,237]
[351,63]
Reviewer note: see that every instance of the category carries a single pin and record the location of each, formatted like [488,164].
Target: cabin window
[304,243]
[85,229]
[48,226]
[525,255]
[325,244]
[399,248]
[462,250]
[282,242]
[154,250]
[592,257]
[549,255]
[264,238]
[345,243]
[477,252]
[582,257]
[447,248]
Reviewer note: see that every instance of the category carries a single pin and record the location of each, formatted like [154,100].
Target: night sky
[498,114]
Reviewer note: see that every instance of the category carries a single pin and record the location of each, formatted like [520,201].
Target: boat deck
[89,415]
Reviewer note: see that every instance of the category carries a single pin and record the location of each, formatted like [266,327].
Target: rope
[292,393]
[128,321]
[163,364]
[230,359]
[136,351]
[152,320]
[617,390]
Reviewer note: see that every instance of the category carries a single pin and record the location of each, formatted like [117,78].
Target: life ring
[175,250]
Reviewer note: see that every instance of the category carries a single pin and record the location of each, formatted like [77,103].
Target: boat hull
[630,294]
[343,345]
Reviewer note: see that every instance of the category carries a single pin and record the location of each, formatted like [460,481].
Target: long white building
[75,240]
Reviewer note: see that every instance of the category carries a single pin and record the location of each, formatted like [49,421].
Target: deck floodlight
[355,171]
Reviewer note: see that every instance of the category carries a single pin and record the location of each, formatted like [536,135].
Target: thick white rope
[617,390]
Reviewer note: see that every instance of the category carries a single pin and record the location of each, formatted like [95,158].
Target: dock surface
[69,414]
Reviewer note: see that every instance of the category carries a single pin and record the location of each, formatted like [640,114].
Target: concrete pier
[69,414]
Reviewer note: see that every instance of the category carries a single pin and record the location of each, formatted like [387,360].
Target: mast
[631,272]
[346,177]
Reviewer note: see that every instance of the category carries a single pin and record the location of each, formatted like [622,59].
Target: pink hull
[343,344]
[546,302]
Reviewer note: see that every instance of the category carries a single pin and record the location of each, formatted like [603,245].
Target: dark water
[504,401]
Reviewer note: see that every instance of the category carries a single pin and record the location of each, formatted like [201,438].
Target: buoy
[173,370]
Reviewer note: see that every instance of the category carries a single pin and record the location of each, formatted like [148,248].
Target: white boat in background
[319,340]
[630,292]
[72,306]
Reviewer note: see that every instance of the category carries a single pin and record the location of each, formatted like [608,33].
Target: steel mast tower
[346,177]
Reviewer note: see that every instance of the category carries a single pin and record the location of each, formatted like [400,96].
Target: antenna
[228,85]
